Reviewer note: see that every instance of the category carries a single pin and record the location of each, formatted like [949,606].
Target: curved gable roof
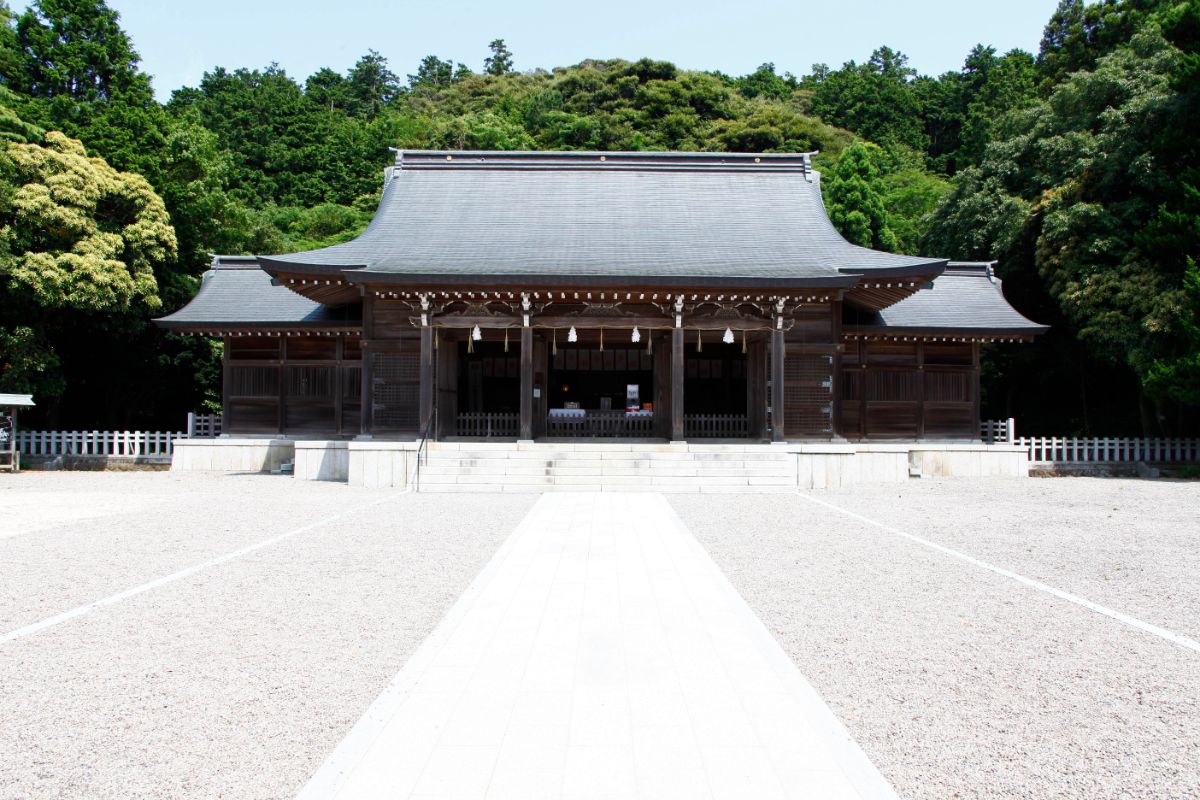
[236,292]
[967,297]
[712,217]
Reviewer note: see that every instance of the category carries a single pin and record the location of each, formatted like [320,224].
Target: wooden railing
[997,431]
[602,424]
[1094,449]
[487,425]
[203,426]
[716,426]
[154,444]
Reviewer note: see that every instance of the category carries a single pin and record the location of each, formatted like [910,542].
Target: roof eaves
[359,276]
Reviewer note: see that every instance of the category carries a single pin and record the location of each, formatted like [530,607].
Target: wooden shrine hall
[563,295]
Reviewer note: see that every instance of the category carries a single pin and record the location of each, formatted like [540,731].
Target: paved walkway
[601,653]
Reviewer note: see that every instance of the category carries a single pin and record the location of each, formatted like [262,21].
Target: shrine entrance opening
[724,384]
[486,388]
[607,385]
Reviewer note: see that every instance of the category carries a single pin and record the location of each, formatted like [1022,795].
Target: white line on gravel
[1170,636]
[79,611]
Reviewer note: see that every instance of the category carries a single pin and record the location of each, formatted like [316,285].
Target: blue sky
[179,41]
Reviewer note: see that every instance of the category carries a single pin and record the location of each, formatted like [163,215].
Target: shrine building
[579,295]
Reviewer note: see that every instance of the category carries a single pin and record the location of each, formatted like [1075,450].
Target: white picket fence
[146,444]
[1096,449]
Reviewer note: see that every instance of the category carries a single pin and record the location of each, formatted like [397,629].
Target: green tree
[84,236]
[74,49]
[875,100]
[854,198]
[500,62]
[328,89]
[371,85]
[432,72]
[1064,193]
[79,238]
[1079,33]
[764,82]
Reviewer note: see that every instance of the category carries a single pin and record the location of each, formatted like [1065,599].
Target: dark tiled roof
[710,217]
[237,292]
[966,297]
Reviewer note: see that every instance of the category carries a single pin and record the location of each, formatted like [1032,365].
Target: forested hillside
[1074,167]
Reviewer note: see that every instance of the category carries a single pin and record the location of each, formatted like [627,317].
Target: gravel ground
[959,682]
[237,681]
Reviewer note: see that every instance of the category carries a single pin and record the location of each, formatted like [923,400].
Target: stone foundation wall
[390,464]
[322,461]
[381,465]
[231,455]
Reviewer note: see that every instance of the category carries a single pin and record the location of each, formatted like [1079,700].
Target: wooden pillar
[541,385]
[975,389]
[863,355]
[366,416]
[425,406]
[338,380]
[777,432]
[226,387]
[526,432]
[837,387]
[920,390]
[677,384]
[282,385]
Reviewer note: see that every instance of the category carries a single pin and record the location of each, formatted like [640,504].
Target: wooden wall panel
[311,392]
[351,390]
[908,390]
[952,420]
[891,353]
[392,319]
[396,395]
[252,348]
[807,395]
[293,384]
[812,324]
[891,420]
[252,416]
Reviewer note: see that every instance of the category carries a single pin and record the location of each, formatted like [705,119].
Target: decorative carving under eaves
[486,309]
[600,310]
[726,311]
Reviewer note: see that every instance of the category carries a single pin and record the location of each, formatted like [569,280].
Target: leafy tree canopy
[500,62]
[854,198]
[83,235]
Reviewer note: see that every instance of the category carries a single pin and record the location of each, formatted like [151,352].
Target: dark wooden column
[777,432]
[920,390]
[975,389]
[338,379]
[526,431]
[283,374]
[837,384]
[366,414]
[758,387]
[226,388]
[425,407]
[677,384]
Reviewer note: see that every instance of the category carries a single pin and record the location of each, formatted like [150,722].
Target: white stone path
[601,653]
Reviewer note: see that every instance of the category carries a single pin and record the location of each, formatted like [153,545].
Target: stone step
[607,455]
[607,480]
[506,488]
[599,446]
[731,470]
[607,467]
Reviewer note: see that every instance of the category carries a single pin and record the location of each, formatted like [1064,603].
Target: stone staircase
[612,467]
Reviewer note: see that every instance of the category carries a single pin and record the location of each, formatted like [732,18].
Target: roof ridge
[605,160]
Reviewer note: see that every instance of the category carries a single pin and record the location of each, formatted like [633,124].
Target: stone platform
[475,466]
